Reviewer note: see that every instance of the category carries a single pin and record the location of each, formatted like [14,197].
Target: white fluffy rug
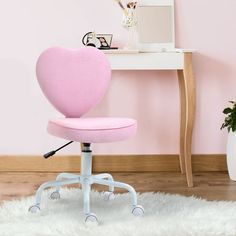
[164,215]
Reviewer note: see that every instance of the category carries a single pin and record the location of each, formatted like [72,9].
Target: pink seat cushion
[93,130]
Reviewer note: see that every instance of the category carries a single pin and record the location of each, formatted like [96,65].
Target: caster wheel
[91,219]
[108,196]
[34,209]
[55,195]
[138,210]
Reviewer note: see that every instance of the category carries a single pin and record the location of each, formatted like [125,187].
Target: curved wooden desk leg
[190,113]
[182,94]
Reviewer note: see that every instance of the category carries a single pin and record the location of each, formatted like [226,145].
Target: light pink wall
[209,27]
[28,27]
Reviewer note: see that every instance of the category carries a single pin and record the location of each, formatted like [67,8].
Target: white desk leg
[187,96]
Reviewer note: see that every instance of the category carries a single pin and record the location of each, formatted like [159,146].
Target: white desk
[180,61]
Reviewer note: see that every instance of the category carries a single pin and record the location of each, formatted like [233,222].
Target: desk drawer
[146,61]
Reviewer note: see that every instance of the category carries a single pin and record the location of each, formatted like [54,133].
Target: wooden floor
[209,185]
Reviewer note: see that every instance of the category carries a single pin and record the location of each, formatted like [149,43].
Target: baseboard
[112,163]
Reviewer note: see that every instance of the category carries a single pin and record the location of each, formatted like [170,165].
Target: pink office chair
[74,81]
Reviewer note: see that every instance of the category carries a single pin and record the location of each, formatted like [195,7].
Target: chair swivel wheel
[138,210]
[34,209]
[55,195]
[108,196]
[91,219]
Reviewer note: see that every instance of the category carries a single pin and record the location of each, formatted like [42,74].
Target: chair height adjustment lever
[51,153]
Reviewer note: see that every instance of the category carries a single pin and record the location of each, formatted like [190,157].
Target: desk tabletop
[136,51]
[134,60]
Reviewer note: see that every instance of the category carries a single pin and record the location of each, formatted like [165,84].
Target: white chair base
[86,179]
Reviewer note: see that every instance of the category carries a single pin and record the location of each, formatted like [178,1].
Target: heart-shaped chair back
[73,81]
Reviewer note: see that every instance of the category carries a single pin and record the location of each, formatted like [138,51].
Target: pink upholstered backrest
[73,80]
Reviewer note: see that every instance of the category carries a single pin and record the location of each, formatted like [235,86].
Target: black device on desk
[100,41]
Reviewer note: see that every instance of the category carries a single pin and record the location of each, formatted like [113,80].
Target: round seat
[93,130]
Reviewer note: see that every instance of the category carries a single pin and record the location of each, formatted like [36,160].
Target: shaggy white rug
[164,215]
